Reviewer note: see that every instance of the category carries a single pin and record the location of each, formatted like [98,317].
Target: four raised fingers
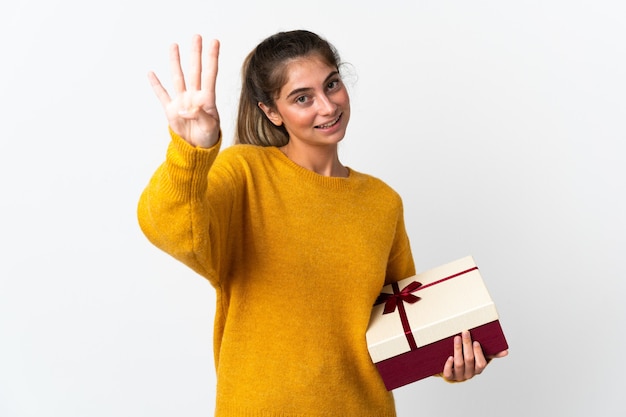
[199,80]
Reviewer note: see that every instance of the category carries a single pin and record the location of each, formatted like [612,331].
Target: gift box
[414,321]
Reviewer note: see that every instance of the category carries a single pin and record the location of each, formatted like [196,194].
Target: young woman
[296,245]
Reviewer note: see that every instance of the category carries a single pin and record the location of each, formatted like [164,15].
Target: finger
[158,89]
[459,362]
[177,72]
[448,369]
[500,354]
[468,354]
[195,70]
[479,358]
[209,75]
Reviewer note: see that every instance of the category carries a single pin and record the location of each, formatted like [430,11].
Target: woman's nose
[326,105]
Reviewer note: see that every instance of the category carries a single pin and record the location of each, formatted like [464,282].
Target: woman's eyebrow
[303,89]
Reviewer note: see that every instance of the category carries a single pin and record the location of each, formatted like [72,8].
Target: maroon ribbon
[398,298]
[393,300]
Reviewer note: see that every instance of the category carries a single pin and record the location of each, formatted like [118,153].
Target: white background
[501,123]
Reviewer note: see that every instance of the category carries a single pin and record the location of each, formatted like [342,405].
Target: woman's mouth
[329,124]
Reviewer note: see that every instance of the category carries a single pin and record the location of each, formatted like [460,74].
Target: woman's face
[313,105]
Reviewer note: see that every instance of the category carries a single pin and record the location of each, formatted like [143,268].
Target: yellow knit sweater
[297,260]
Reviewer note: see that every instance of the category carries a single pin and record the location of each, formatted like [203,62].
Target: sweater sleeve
[174,212]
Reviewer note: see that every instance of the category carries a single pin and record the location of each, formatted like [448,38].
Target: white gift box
[412,326]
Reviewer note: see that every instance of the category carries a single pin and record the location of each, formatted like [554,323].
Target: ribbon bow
[391,300]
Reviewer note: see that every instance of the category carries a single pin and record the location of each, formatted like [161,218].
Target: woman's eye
[332,84]
[301,99]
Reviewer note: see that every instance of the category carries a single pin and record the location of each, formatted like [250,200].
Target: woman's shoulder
[374,184]
[238,161]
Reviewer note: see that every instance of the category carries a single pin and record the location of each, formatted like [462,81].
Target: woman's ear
[272,115]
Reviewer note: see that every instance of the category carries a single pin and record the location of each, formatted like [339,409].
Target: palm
[192,113]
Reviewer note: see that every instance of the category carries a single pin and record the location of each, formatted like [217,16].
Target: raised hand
[192,113]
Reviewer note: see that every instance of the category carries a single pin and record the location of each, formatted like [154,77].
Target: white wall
[501,123]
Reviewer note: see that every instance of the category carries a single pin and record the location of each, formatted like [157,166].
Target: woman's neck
[323,159]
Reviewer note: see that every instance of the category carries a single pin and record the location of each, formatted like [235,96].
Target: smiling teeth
[327,125]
